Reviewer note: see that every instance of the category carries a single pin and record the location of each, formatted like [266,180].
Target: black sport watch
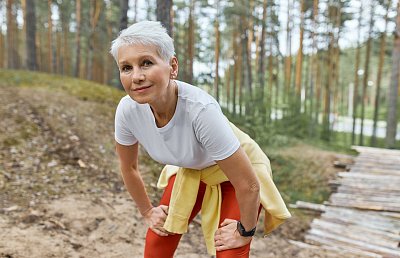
[243,232]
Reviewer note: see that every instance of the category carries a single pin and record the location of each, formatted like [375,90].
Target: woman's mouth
[141,89]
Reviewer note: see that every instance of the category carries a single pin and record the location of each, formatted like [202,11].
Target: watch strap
[243,232]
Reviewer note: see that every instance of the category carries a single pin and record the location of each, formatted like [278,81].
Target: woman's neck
[165,110]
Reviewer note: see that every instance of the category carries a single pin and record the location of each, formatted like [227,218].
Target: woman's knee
[241,252]
[160,247]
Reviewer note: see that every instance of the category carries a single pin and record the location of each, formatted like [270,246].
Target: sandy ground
[61,193]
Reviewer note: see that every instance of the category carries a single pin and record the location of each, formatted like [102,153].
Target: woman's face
[144,74]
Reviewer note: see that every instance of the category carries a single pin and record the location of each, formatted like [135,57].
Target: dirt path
[61,193]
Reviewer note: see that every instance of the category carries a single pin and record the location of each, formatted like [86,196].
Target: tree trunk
[17,40]
[190,45]
[11,42]
[271,76]
[39,51]
[250,35]
[276,82]
[109,73]
[2,47]
[58,53]
[394,87]
[66,51]
[326,133]
[318,87]
[242,51]
[164,14]
[216,51]
[261,64]
[22,50]
[379,75]
[135,11]
[95,10]
[235,70]
[78,39]
[366,73]
[227,77]
[299,61]
[336,59]
[50,37]
[306,84]
[356,77]
[314,70]
[30,20]
[288,58]
[123,21]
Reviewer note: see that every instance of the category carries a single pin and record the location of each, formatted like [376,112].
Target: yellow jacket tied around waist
[187,184]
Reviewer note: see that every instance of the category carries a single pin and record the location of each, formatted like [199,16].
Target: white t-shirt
[197,135]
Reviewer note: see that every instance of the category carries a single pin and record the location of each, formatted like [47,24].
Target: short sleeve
[213,131]
[123,135]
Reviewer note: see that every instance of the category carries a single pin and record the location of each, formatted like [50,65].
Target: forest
[311,69]
[314,82]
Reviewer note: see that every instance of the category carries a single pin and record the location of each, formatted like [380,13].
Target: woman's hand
[227,236]
[155,219]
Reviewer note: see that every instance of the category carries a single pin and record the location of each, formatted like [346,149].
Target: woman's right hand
[155,219]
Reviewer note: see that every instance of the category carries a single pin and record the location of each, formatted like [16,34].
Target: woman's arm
[240,173]
[154,216]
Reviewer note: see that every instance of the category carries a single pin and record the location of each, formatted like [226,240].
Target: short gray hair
[145,33]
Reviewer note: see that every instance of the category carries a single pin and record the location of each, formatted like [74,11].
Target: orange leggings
[164,247]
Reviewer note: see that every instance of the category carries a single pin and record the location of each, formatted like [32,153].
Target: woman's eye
[126,68]
[147,63]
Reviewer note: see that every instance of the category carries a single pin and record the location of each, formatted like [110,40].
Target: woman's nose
[137,75]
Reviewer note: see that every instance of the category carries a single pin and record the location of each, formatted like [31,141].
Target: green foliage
[299,179]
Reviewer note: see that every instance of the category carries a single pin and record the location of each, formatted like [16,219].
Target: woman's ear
[174,67]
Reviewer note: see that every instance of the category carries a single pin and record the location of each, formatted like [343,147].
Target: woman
[216,168]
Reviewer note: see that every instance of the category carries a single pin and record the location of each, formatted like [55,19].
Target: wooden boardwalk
[362,217]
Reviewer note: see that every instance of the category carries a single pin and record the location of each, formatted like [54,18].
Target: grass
[302,172]
[83,89]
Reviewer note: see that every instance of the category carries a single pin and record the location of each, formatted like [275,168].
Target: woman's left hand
[227,236]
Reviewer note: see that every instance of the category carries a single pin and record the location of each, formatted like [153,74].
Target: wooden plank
[392,215]
[367,176]
[369,219]
[364,168]
[371,161]
[369,181]
[377,171]
[363,149]
[358,233]
[310,206]
[338,245]
[356,243]
[356,184]
[377,206]
[335,250]
[384,200]
[367,230]
[384,217]
[369,191]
